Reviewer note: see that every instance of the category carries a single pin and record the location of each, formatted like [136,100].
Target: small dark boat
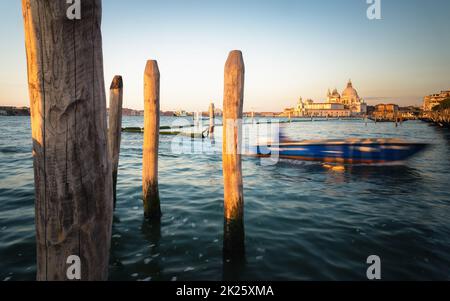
[365,151]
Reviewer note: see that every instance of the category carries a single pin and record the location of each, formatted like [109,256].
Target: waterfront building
[290,112]
[351,100]
[433,100]
[333,97]
[386,112]
[267,114]
[410,112]
[346,105]
[327,109]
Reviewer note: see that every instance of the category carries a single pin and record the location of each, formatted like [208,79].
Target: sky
[291,48]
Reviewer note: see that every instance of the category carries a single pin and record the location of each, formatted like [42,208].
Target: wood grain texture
[115,128]
[68,119]
[232,134]
[233,101]
[212,120]
[152,208]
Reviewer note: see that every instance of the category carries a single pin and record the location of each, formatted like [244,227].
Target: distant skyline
[291,49]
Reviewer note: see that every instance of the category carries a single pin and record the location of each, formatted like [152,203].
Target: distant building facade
[346,105]
[386,112]
[349,98]
[333,97]
[433,100]
[312,109]
[410,112]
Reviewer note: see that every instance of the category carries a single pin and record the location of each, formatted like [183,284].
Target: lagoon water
[303,220]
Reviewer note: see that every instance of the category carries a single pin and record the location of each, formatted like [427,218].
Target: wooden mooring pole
[115,128]
[152,209]
[234,246]
[212,120]
[74,202]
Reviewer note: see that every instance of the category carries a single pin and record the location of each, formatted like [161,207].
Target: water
[304,221]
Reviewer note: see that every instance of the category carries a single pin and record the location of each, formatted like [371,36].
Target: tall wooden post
[152,207]
[212,120]
[73,183]
[115,128]
[231,155]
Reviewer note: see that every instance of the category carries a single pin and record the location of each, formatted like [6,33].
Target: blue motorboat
[365,151]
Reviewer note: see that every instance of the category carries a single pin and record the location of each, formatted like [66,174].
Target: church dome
[350,92]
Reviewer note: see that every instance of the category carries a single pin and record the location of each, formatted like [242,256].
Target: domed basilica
[350,99]
[346,105]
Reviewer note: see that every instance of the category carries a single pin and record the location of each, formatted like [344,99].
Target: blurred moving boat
[354,151]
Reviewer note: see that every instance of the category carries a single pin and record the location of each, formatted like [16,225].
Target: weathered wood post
[212,120]
[152,209]
[115,128]
[74,202]
[231,155]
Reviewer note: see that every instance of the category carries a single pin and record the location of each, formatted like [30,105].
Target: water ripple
[303,220]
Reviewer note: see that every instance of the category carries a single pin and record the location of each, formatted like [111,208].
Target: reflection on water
[233,249]
[234,239]
[151,231]
[398,174]
[303,220]
[233,268]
